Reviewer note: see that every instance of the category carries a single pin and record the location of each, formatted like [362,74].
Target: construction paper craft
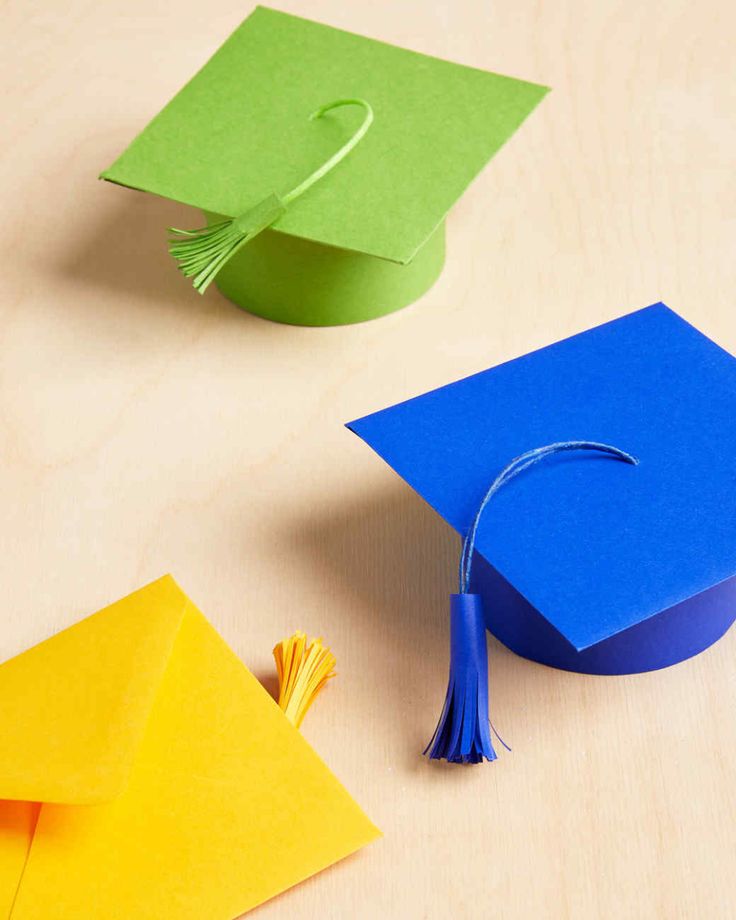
[303,666]
[203,253]
[463,733]
[368,236]
[172,786]
[586,563]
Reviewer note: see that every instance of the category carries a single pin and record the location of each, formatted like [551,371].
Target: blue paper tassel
[463,733]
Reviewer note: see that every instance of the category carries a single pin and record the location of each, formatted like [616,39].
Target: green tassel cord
[202,253]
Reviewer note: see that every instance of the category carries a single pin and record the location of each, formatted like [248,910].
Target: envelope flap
[227,806]
[73,709]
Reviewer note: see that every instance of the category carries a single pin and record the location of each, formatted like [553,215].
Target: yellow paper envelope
[171,786]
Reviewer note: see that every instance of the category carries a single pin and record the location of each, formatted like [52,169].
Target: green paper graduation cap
[325,164]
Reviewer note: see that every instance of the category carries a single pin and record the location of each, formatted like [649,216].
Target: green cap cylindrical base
[291,280]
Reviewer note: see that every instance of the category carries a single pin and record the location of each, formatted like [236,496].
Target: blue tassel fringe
[463,733]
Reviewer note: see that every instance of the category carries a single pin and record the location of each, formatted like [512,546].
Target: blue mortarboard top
[584,562]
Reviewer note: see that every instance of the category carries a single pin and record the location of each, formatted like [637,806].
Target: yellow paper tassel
[304,668]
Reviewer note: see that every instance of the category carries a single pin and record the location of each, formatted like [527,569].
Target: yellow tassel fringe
[304,668]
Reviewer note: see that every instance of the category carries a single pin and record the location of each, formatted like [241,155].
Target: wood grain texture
[144,429]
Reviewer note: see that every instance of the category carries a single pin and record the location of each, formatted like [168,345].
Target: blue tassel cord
[202,253]
[463,733]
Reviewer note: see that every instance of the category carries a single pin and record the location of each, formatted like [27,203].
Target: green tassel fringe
[202,253]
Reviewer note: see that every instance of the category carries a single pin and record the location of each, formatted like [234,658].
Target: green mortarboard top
[342,212]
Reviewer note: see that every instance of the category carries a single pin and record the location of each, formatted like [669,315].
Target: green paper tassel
[202,253]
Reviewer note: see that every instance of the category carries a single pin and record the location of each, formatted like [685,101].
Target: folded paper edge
[112,789]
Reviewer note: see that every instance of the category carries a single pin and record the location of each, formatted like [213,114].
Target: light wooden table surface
[144,430]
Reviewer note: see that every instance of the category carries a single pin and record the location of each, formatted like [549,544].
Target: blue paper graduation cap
[581,562]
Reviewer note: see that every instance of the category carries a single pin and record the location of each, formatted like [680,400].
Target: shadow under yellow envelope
[171,786]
